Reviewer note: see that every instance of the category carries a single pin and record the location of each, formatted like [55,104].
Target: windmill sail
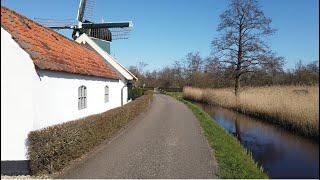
[90,5]
[120,33]
[105,30]
[81,9]
[108,31]
[107,25]
[85,10]
[58,23]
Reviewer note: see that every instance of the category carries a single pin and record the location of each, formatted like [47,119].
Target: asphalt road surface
[164,142]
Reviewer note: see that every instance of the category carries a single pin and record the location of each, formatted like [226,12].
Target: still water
[280,153]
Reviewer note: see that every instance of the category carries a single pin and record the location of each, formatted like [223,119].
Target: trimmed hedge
[52,148]
[137,92]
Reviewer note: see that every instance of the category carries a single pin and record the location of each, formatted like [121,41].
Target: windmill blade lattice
[49,22]
[120,33]
[89,8]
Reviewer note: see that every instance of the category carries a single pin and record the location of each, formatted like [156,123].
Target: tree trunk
[239,63]
[237,86]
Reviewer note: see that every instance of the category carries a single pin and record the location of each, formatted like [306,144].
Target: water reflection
[281,153]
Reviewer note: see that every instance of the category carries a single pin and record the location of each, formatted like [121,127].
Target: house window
[82,97]
[106,94]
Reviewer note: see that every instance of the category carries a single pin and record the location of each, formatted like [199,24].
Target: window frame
[82,97]
[106,94]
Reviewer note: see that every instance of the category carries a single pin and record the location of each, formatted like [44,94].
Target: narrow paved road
[166,142]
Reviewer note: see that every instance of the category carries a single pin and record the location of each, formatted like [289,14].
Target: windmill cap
[100,33]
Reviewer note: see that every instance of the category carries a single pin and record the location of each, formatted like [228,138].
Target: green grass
[177,95]
[234,161]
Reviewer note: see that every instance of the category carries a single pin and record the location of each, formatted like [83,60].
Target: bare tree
[194,62]
[273,66]
[242,45]
[306,74]
[193,65]
[141,66]
[212,65]
[179,73]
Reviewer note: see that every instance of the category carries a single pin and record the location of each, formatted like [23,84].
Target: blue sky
[166,30]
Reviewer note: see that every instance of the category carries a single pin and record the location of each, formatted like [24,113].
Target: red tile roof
[52,51]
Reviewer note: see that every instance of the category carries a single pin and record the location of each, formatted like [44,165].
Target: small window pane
[106,94]
[82,97]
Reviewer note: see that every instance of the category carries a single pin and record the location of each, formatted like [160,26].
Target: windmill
[102,33]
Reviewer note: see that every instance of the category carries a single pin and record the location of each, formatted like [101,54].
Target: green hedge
[52,148]
[137,92]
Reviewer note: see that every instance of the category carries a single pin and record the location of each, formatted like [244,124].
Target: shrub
[137,92]
[52,148]
[171,89]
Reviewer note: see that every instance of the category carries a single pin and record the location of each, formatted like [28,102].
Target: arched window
[82,97]
[106,94]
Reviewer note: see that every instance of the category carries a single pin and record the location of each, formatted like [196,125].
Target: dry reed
[293,107]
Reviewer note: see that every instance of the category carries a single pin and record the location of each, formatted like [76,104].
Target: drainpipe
[122,94]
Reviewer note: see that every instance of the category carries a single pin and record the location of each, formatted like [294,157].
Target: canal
[281,153]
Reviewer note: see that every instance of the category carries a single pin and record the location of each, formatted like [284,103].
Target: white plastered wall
[18,76]
[57,97]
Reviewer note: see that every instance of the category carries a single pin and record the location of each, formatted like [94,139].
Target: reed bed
[293,107]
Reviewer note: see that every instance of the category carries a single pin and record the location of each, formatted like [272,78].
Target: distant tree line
[210,72]
[241,56]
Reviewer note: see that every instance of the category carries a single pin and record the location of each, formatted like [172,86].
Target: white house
[103,49]
[47,79]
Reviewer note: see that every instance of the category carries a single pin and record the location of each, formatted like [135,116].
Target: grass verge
[234,161]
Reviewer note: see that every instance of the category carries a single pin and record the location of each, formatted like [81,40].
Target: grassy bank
[233,160]
[295,108]
[53,148]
